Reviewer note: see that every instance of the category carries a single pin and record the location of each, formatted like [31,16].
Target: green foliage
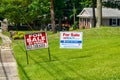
[18,35]
[66,7]
[59,6]
[112,4]
[23,11]
[98,60]
[15,36]
[86,3]
[28,11]
[75,25]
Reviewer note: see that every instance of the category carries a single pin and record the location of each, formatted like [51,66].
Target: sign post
[27,57]
[49,53]
[71,40]
[36,41]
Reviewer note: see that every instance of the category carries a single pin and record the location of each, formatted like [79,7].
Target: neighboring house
[110,17]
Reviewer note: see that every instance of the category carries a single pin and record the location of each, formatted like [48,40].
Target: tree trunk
[99,13]
[94,16]
[60,24]
[74,12]
[52,16]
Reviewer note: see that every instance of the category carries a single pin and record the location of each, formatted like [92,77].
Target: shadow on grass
[23,72]
[51,66]
[42,66]
[72,68]
[59,71]
[21,47]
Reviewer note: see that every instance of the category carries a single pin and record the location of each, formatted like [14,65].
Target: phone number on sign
[35,46]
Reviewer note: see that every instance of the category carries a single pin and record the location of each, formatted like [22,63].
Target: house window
[114,22]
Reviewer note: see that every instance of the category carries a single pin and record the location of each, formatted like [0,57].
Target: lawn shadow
[71,69]
[43,67]
[55,68]
[20,66]
[21,47]
[51,67]
[23,72]
[80,57]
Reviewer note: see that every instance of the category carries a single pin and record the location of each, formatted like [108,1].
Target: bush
[15,37]
[19,35]
[74,26]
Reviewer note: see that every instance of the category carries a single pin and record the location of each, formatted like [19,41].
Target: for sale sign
[36,40]
[71,39]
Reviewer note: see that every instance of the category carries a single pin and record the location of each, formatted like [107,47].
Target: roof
[106,13]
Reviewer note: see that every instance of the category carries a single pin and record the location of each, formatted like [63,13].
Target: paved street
[8,65]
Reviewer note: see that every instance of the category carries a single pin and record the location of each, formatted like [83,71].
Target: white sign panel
[71,39]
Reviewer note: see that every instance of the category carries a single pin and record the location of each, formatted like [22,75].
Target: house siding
[105,22]
[84,23]
[89,23]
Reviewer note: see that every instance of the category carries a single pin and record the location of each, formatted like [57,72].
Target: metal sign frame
[34,41]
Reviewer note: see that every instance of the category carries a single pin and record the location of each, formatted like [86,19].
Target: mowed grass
[99,59]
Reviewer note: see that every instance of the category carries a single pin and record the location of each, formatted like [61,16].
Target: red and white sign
[36,40]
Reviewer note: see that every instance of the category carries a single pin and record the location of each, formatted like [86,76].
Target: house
[110,17]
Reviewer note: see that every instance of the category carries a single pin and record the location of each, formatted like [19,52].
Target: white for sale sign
[71,39]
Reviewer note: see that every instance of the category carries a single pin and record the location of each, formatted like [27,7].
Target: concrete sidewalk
[8,65]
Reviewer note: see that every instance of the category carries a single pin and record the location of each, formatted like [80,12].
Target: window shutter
[118,22]
[110,22]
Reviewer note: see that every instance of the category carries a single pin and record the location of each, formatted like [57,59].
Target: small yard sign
[36,41]
[71,39]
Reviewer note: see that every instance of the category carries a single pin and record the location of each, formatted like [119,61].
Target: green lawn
[98,60]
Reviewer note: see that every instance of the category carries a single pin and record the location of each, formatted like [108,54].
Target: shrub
[19,35]
[15,36]
[74,26]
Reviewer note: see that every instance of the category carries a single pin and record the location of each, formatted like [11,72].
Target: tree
[52,15]
[99,13]
[112,3]
[24,11]
[59,6]
[74,7]
[94,16]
